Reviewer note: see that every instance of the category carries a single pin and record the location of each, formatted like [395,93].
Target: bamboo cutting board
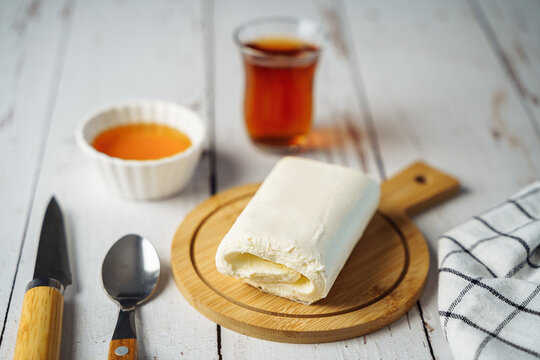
[381,281]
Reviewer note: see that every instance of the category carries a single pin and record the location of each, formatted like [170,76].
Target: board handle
[40,326]
[416,188]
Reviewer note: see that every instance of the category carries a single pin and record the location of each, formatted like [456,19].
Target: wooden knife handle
[40,327]
[123,349]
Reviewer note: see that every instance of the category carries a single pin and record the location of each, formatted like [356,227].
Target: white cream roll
[295,235]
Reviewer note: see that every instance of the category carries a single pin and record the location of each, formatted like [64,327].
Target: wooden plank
[31,49]
[437,92]
[338,111]
[513,29]
[117,51]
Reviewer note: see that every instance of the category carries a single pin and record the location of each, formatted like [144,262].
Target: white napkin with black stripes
[489,281]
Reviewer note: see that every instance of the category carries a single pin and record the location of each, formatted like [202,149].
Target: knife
[40,326]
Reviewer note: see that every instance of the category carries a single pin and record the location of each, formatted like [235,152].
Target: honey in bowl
[141,141]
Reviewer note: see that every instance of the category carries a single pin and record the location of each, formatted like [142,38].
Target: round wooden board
[381,280]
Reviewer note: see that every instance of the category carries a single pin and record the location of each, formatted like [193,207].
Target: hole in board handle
[420,179]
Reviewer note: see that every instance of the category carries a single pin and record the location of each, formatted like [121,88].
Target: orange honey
[141,141]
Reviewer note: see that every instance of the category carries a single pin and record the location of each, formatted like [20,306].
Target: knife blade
[40,326]
[52,258]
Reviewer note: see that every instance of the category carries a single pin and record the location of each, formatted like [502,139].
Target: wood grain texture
[438,92]
[340,135]
[381,280]
[40,325]
[424,77]
[139,50]
[513,30]
[129,344]
[32,47]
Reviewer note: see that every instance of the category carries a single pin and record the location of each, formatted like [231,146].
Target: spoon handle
[123,349]
[123,345]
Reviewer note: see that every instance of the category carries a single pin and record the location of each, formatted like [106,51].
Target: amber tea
[279,76]
[278,100]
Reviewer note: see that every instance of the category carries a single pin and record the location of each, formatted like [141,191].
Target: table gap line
[359,85]
[55,85]
[425,329]
[504,61]
[360,89]
[207,10]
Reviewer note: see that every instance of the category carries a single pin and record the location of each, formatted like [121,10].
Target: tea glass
[280,56]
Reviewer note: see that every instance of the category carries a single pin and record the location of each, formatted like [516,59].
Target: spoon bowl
[131,270]
[130,274]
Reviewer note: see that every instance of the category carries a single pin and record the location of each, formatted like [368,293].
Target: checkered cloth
[489,281]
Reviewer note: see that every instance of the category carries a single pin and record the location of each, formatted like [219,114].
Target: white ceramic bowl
[145,179]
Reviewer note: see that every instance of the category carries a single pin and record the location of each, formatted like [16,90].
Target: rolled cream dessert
[295,235]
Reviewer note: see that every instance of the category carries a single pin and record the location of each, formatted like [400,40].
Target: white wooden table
[454,83]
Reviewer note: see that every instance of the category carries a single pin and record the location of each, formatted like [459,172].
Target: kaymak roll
[295,235]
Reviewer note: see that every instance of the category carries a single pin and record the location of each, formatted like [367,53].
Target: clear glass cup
[280,57]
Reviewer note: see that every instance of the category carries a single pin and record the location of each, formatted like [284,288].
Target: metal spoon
[130,274]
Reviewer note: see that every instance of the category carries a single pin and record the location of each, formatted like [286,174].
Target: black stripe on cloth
[519,266]
[473,246]
[493,208]
[469,253]
[456,302]
[515,269]
[533,191]
[518,239]
[509,318]
[490,289]
[495,336]
[525,212]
